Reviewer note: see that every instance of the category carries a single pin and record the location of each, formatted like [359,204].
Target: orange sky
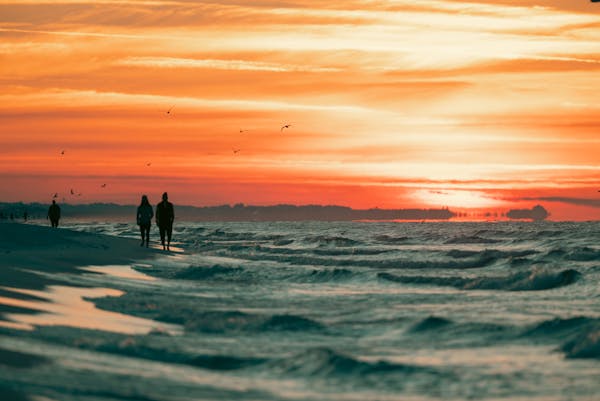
[431,103]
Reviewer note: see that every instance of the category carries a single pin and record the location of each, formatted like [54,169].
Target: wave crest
[327,362]
[585,345]
[535,280]
[234,321]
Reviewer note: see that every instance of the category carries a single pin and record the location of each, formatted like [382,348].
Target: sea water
[336,311]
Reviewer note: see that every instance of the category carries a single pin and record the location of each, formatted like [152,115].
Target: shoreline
[34,257]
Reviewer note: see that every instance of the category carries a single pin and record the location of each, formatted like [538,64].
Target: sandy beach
[32,290]
[36,259]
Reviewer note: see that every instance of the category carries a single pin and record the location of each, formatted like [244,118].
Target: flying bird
[148,164]
[103,186]
[62,152]
[72,192]
[169,111]
[285,126]
[55,196]
[236,151]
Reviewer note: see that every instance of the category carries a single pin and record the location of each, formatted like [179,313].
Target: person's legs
[162,230]
[147,228]
[169,234]
[142,229]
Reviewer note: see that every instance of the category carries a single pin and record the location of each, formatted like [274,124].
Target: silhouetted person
[25,215]
[144,219]
[54,214]
[164,219]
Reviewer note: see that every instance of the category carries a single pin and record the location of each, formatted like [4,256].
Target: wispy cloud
[241,65]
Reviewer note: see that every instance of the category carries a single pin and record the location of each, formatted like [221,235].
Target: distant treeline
[241,212]
[536,213]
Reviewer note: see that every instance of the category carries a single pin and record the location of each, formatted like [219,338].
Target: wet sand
[32,256]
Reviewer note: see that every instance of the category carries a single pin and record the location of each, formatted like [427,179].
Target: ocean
[329,311]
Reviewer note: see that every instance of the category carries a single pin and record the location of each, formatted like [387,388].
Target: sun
[457,198]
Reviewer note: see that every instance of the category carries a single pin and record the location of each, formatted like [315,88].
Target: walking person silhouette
[53,214]
[144,219]
[164,219]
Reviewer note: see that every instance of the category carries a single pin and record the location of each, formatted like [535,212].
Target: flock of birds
[148,164]
[235,150]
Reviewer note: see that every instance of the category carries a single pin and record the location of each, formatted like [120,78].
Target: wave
[470,334]
[580,254]
[325,362]
[326,275]
[584,345]
[348,252]
[430,323]
[219,322]
[325,240]
[224,362]
[21,360]
[222,235]
[561,328]
[390,240]
[148,348]
[471,239]
[482,260]
[535,280]
[584,254]
[290,323]
[203,273]
[489,253]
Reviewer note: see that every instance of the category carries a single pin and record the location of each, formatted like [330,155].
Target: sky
[471,105]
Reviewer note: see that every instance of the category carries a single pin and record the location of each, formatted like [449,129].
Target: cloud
[240,65]
[595,203]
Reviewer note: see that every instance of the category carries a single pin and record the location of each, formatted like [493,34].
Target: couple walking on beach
[164,219]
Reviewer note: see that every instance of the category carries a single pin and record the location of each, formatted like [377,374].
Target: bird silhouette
[55,196]
[169,111]
[285,126]
[103,186]
[62,152]
[236,151]
[72,192]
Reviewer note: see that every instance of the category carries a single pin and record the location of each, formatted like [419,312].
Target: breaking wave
[535,280]
[325,362]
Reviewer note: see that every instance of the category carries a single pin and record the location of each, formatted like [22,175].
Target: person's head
[165,196]
[145,200]
[53,202]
